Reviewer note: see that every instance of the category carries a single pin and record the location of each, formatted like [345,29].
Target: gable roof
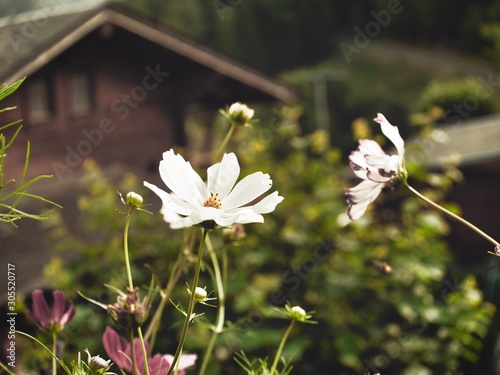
[475,141]
[31,40]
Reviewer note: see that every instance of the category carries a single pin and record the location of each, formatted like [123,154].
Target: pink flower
[47,319]
[119,350]
[377,169]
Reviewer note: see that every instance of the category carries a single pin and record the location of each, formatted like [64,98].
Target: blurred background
[402,291]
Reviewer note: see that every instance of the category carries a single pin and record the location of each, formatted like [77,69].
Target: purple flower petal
[58,307]
[40,312]
[159,364]
[67,316]
[116,346]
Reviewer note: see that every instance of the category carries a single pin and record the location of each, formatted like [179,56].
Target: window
[39,101]
[80,93]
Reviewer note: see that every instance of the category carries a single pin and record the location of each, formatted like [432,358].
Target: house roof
[33,39]
[473,142]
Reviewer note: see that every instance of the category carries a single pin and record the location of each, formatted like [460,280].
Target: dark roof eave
[184,48]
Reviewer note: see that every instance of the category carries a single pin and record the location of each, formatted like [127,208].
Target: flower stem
[224,143]
[192,302]
[175,274]
[131,287]
[282,345]
[5,368]
[220,280]
[125,248]
[54,351]
[132,352]
[144,352]
[453,216]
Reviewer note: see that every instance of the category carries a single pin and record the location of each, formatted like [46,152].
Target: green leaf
[5,90]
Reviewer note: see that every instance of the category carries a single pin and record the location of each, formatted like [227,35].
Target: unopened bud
[240,114]
[200,294]
[133,199]
[298,313]
[98,365]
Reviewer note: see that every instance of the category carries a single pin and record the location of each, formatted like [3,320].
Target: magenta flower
[119,350]
[377,169]
[47,319]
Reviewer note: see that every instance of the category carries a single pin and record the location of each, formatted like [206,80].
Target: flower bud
[133,199]
[298,313]
[98,365]
[239,113]
[128,311]
[200,294]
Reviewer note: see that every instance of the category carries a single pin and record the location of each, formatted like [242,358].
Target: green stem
[6,369]
[131,287]
[192,302]
[176,273]
[125,248]
[280,348]
[221,296]
[453,216]
[144,351]
[132,353]
[54,350]
[224,143]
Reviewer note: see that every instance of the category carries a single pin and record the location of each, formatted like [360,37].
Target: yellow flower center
[213,201]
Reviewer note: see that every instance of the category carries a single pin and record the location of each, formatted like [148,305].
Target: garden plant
[256,264]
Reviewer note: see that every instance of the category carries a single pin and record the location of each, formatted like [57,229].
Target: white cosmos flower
[377,169]
[219,201]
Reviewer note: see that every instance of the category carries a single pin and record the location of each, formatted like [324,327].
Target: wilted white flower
[377,169]
[219,202]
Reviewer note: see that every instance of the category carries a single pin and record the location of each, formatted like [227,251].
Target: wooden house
[473,146]
[107,85]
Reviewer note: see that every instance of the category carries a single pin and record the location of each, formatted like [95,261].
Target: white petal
[391,132]
[358,164]
[373,175]
[186,360]
[356,211]
[171,217]
[205,213]
[240,216]
[181,178]
[222,176]
[370,147]
[197,216]
[248,189]
[392,164]
[182,222]
[170,201]
[365,190]
[377,162]
[360,197]
[177,215]
[268,204]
